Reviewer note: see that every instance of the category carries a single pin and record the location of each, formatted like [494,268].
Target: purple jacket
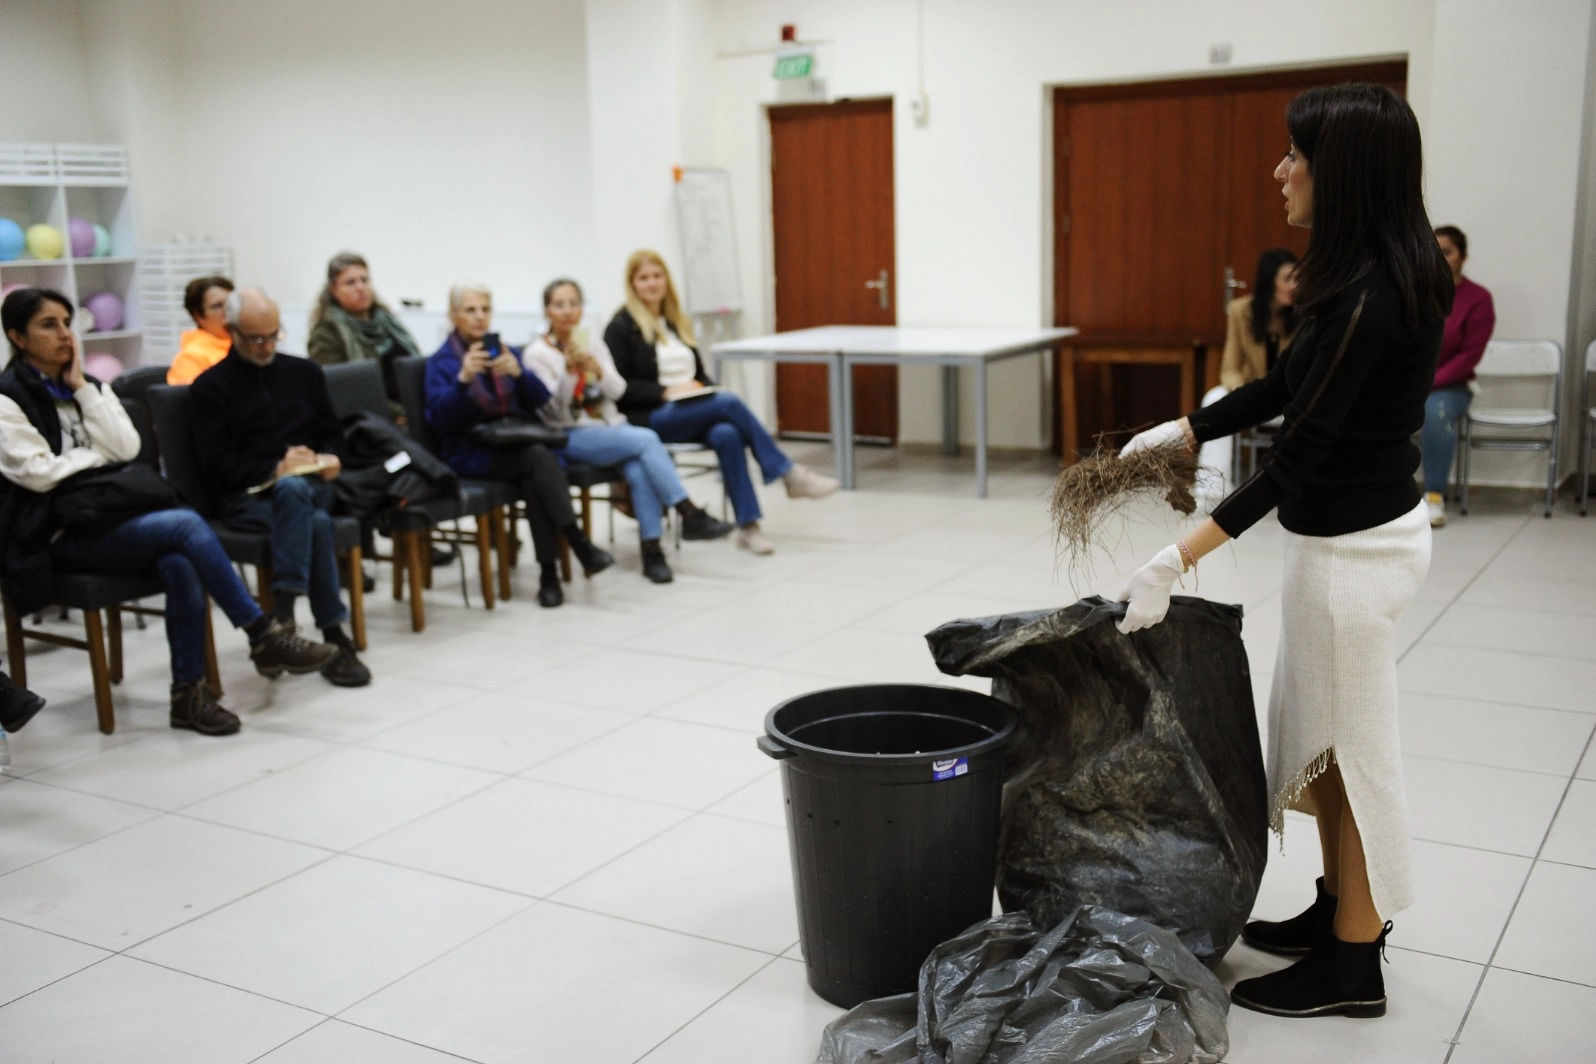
[1468,330]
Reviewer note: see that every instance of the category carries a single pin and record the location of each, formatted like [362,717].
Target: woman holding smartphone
[474,378]
[1374,293]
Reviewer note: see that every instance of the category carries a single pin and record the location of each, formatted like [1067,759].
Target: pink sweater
[1468,330]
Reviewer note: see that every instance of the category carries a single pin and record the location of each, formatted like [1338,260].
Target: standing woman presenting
[1374,293]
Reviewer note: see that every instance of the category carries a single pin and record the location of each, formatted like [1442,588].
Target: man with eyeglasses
[269,444]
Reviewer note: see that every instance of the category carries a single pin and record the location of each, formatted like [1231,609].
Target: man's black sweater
[1351,387]
[247,416]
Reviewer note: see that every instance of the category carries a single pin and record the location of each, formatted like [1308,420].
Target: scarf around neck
[364,340]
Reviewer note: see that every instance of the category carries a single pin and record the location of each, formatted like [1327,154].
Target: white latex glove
[1157,436]
[1148,589]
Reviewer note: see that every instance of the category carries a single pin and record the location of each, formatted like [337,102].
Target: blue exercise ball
[12,239]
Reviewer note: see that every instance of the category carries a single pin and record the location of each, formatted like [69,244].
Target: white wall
[44,91]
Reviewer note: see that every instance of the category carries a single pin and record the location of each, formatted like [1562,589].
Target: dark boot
[17,704]
[697,524]
[550,591]
[195,707]
[654,564]
[1336,979]
[594,560]
[282,649]
[345,669]
[1298,935]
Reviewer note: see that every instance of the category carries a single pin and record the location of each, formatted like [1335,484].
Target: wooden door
[832,201]
[1159,187]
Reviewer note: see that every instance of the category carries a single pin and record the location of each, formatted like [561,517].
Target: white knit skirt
[1334,699]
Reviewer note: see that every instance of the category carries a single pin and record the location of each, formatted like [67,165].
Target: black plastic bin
[893,799]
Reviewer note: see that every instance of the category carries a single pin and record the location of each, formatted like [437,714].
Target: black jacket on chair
[635,359]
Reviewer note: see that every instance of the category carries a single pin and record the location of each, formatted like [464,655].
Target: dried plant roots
[1089,493]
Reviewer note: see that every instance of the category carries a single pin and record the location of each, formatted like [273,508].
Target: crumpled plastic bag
[1136,775]
[1100,988]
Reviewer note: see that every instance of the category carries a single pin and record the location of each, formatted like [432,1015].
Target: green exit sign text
[794,65]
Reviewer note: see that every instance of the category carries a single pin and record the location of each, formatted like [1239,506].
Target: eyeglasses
[253,340]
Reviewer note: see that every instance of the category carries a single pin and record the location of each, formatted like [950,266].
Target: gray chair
[173,413]
[1532,428]
[1587,428]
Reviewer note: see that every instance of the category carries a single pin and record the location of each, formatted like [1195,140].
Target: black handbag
[509,432]
[96,500]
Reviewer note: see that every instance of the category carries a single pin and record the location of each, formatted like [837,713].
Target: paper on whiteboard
[709,246]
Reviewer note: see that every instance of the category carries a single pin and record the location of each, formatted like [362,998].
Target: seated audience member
[350,324]
[1257,328]
[580,373]
[264,421]
[54,423]
[651,340]
[1468,330]
[206,344]
[473,378]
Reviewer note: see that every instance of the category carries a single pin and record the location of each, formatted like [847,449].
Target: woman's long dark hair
[1263,294]
[1363,149]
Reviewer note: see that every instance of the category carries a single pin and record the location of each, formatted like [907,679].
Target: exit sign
[794,64]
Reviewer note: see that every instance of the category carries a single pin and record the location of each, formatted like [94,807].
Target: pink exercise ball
[102,366]
[81,233]
[8,289]
[107,310]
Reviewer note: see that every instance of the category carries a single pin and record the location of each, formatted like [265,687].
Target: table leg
[1069,419]
[845,376]
[950,410]
[834,398]
[980,428]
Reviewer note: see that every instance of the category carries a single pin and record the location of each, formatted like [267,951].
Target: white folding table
[841,347]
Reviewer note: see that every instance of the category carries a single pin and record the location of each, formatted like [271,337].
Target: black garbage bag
[1100,988]
[1136,776]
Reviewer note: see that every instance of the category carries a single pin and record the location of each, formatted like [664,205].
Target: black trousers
[541,483]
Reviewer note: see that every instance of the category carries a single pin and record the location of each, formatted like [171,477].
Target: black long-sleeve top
[637,362]
[1351,388]
[247,416]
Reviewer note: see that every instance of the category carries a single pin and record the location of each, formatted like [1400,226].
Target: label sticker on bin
[946,770]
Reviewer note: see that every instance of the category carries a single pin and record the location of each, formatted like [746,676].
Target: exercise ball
[84,320]
[12,287]
[102,241]
[12,240]
[81,233]
[107,310]
[45,241]
[100,365]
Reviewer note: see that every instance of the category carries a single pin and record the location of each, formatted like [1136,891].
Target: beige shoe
[805,483]
[751,539]
[1437,507]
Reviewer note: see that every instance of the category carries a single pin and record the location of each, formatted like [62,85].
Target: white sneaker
[754,541]
[1437,507]
[805,483]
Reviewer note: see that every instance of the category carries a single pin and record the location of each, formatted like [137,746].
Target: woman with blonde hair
[651,339]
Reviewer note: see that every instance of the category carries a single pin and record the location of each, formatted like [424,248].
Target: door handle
[880,285]
[1232,286]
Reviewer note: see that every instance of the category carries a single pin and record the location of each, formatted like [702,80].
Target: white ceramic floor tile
[491,659]
[762,801]
[347,715]
[774,1018]
[34,959]
[120,890]
[530,992]
[181,767]
[1039,587]
[686,765]
[124,1011]
[727,636]
[1573,837]
[1426,997]
[38,822]
[1490,733]
[333,934]
[1587,765]
[1521,1017]
[921,613]
[1499,676]
[741,702]
[524,836]
[1564,592]
[627,681]
[715,877]
[1463,898]
[342,1043]
[1523,631]
[815,602]
[343,799]
[499,731]
[1551,932]
[1471,805]
[865,657]
[886,571]
[61,733]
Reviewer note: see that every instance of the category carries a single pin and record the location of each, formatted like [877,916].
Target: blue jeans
[643,460]
[729,427]
[304,560]
[182,550]
[1438,441]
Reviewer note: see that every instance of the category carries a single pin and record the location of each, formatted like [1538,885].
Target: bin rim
[991,744]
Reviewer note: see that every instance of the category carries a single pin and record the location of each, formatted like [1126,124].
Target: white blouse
[677,365]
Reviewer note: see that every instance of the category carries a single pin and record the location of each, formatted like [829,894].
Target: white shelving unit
[52,183]
[164,271]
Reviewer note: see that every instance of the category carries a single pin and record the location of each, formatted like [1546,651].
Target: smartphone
[490,344]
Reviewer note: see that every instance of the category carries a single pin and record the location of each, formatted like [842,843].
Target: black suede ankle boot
[655,567]
[1336,978]
[594,560]
[1298,935]
[550,591]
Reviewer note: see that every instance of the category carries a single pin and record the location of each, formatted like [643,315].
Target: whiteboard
[709,247]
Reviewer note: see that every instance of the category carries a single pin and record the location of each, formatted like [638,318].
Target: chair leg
[99,670]
[16,653]
[398,558]
[1551,471]
[113,624]
[587,512]
[500,532]
[213,671]
[426,559]
[418,608]
[263,576]
[1466,446]
[485,557]
[357,596]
